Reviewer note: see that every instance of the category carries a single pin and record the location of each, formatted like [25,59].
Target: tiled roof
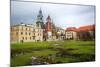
[82,28]
[87,28]
[71,29]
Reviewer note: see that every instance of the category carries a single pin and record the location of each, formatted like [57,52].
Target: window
[26,38]
[26,33]
[30,38]
[33,37]
[16,33]
[29,33]
[21,33]
[26,28]
[38,34]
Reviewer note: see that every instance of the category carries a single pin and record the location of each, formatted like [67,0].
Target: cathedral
[44,31]
[40,31]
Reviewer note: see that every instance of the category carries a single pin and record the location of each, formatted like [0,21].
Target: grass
[78,51]
[25,59]
[65,60]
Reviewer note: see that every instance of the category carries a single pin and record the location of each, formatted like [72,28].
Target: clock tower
[39,22]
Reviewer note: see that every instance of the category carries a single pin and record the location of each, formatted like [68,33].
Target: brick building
[81,33]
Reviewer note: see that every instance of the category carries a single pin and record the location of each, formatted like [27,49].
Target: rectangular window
[26,38]
[38,34]
[16,33]
[21,33]
[30,38]
[33,37]
[29,33]
[26,28]
[26,33]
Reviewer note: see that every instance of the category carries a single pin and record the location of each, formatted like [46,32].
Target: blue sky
[62,15]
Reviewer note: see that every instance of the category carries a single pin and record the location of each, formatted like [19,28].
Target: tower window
[41,18]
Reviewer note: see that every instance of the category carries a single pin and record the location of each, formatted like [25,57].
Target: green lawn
[70,51]
[25,59]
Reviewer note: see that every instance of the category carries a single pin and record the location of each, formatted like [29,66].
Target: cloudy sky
[63,15]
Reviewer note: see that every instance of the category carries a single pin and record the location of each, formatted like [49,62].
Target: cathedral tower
[48,28]
[39,27]
[39,22]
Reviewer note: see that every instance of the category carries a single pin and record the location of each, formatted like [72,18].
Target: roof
[82,28]
[86,28]
[71,29]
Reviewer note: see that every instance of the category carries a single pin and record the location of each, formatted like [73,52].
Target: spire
[40,11]
[48,18]
[40,19]
[40,16]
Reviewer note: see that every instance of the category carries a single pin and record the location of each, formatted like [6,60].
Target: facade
[52,32]
[60,33]
[28,32]
[81,33]
[37,32]
[71,33]
[38,35]
[22,33]
[86,32]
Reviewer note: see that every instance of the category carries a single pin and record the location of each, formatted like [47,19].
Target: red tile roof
[87,28]
[71,29]
[82,28]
